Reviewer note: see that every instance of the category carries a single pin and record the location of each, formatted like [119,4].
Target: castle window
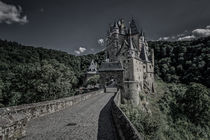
[128,85]
[144,67]
[150,66]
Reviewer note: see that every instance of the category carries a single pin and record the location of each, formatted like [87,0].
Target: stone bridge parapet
[125,128]
[13,120]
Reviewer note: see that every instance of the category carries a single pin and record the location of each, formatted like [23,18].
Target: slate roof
[111,66]
[143,54]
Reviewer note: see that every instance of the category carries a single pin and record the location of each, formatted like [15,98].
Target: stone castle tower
[127,48]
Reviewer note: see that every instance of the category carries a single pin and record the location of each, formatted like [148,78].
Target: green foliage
[196,104]
[179,112]
[93,80]
[147,124]
[186,109]
[29,74]
[1,93]
[183,61]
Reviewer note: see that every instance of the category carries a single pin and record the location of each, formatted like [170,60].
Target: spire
[142,33]
[116,28]
[116,25]
[133,27]
[130,40]
[122,27]
[131,48]
[143,54]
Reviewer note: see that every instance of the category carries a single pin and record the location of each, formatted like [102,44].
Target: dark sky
[69,24]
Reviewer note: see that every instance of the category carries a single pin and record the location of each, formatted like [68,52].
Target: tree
[1,93]
[93,80]
[196,104]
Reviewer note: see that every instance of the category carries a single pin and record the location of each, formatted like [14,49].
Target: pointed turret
[92,67]
[144,54]
[142,36]
[142,33]
[115,30]
[131,47]
[115,26]
[130,40]
[133,27]
[122,27]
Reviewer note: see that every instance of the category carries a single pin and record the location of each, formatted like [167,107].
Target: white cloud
[77,52]
[201,32]
[80,50]
[164,38]
[186,38]
[101,41]
[11,14]
[208,27]
[197,33]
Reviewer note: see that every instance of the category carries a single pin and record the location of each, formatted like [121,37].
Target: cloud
[80,50]
[11,14]
[101,42]
[197,33]
[208,27]
[92,50]
[164,38]
[77,52]
[201,32]
[186,38]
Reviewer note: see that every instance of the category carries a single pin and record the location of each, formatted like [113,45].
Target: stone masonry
[127,48]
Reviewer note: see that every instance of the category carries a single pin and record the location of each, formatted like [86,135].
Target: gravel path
[88,120]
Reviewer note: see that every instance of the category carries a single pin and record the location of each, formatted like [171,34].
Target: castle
[129,61]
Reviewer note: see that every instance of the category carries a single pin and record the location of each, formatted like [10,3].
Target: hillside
[180,107]
[29,74]
[183,61]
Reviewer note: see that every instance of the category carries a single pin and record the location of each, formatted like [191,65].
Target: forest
[29,74]
[183,61]
[180,108]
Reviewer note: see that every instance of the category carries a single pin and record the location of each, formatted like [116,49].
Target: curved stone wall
[125,128]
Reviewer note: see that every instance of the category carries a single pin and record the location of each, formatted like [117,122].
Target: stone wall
[13,120]
[125,128]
